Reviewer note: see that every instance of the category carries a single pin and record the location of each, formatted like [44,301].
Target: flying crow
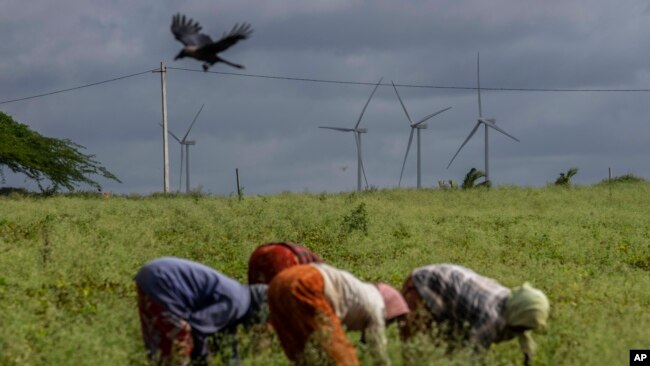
[200,46]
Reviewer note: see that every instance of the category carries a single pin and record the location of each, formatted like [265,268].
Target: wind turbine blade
[408,147]
[171,133]
[464,142]
[363,170]
[478,83]
[367,102]
[490,123]
[401,102]
[338,128]
[429,117]
[194,120]
[174,136]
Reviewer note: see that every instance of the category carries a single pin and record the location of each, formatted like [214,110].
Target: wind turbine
[357,138]
[487,122]
[186,143]
[419,125]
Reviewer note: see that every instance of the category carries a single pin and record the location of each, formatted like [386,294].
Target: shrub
[626,178]
[357,219]
[565,178]
[472,176]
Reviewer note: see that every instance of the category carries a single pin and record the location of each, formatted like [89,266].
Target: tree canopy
[43,159]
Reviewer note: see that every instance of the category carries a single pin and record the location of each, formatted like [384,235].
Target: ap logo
[639,357]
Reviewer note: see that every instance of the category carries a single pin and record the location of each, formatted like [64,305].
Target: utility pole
[163,72]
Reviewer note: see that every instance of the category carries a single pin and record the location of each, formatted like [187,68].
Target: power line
[77,87]
[327,81]
[406,85]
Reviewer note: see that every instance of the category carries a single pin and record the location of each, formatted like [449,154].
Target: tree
[565,178]
[41,158]
[472,176]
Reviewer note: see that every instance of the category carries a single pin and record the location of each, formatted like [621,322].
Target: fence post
[609,181]
[238,187]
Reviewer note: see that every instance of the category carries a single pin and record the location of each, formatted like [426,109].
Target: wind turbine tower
[357,138]
[487,122]
[415,126]
[185,145]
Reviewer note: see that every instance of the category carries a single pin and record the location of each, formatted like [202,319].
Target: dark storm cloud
[268,128]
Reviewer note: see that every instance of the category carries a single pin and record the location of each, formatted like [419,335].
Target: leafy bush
[626,178]
[356,220]
[565,178]
[8,191]
[472,176]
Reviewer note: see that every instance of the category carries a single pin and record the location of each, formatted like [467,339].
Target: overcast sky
[268,127]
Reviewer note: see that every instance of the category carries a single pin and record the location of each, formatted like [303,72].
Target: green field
[67,262]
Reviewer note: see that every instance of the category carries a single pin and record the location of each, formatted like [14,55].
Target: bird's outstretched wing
[187,31]
[237,33]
